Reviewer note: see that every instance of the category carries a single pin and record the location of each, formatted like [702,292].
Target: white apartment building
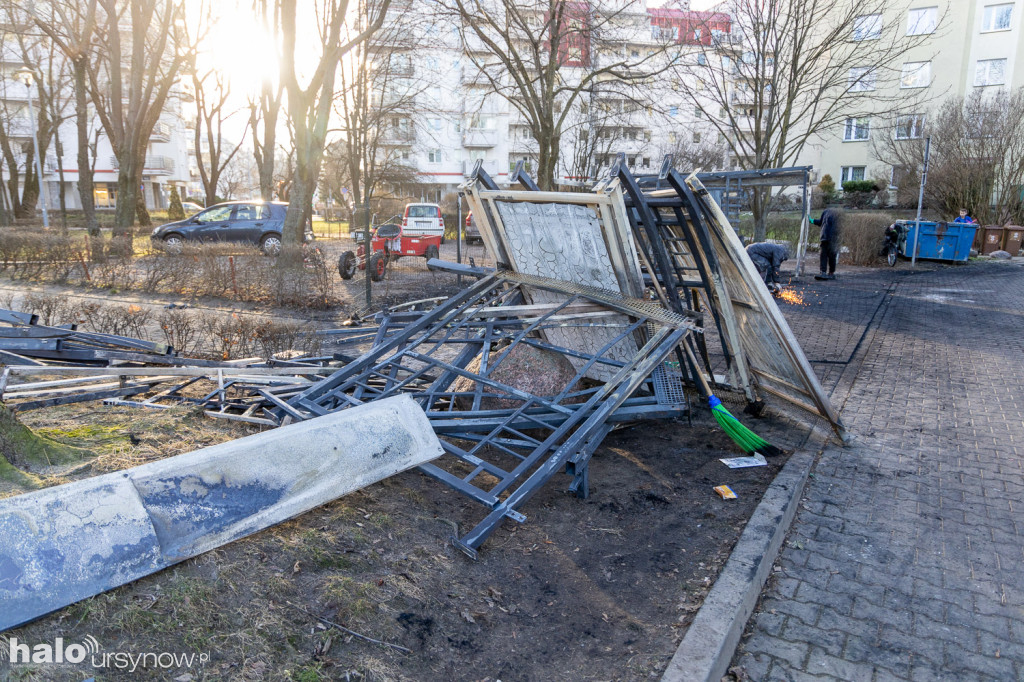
[968,49]
[458,119]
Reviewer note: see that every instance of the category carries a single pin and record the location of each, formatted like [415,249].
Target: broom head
[749,441]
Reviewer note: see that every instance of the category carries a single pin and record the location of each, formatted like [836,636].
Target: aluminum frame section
[503,444]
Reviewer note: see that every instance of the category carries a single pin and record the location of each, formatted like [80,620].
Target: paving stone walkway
[906,558]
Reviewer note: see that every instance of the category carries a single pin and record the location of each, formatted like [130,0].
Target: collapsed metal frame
[680,231]
[501,456]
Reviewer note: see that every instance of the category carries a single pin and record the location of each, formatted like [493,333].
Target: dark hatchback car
[250,222]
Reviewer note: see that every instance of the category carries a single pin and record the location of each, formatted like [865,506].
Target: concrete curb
[710,642]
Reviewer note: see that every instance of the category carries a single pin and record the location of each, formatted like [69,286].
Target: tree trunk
[299,197]
[12,190]
[128,179]
[141,212]
[211,192]
[29,189]
[760,203]
[547,162]
[85,187]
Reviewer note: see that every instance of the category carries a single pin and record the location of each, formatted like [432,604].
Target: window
[852,173]
[916,75]
[434,156]
[867,27]
[702,59]
[696,138]
[862,79]
[251,212]
[672,138]
[406,155]
[997,17]
[647,162]
[434,123]
[922,21]
[909,127]
[857,129]
[990,72]
[902,175]
[214,215]
[647,136]
[673,111]
[697,113]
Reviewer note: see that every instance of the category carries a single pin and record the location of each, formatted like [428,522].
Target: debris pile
[617,284]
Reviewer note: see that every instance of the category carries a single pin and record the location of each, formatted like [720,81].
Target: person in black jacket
[767,258]
[829,222]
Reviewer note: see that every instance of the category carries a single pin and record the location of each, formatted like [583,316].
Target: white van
[423,220]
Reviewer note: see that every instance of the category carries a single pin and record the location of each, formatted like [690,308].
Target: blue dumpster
[941,241]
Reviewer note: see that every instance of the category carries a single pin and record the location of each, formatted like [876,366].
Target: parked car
[191,207]
[250,222]
[423,220]
[472,232]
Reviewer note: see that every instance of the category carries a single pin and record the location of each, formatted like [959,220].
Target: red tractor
[387,244]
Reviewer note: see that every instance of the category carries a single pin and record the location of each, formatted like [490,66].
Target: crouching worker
[767,258]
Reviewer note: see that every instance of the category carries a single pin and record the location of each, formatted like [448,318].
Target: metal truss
[503,444]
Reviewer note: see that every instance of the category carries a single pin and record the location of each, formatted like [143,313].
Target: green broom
[749,441]
[744,437]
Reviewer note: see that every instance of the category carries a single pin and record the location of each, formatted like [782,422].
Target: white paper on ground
[757,460]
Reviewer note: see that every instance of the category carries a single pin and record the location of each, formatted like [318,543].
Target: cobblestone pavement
[906,559]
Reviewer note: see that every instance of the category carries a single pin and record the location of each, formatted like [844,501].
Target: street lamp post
[26,76]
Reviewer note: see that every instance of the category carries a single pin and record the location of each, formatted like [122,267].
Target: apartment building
[967,49]
[457,118]
[166,158]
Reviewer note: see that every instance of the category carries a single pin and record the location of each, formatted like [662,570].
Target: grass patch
[349,596]
[25,449]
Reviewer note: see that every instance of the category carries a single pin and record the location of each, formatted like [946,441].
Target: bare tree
[375,108]
[791,71]
[142,47]
[976,157]
[542,56]
[213,153]
[239,178]
[696,152]
[309,105]
[265,106]
[49,72]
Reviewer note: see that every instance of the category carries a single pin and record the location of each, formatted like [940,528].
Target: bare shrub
[7,300]
[114,271]
[182,331]
[10,248]
[121,320]
[229,336]
[863,234]
[275,337]
[308,286]
[53,309]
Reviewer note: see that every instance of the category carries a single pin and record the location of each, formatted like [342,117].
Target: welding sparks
[791,297]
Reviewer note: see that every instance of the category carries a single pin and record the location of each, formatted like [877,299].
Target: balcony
[397,138]
[158,165]
[161,132]
[479,138]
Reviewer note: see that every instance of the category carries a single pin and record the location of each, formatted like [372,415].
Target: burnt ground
[601,588]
